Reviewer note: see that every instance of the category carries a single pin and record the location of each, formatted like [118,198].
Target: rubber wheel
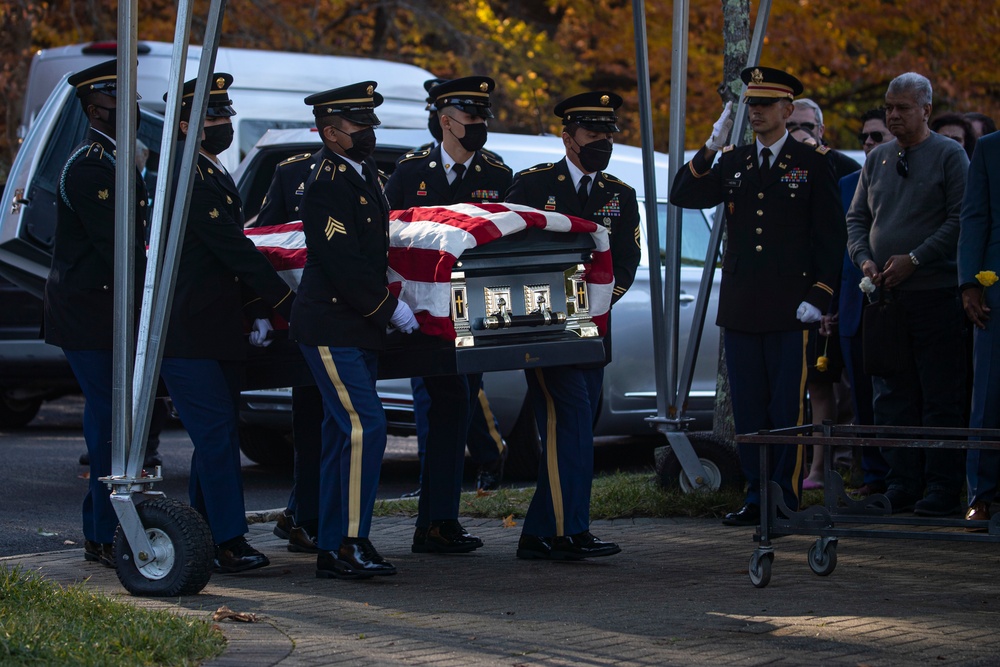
[720,461]
[823,560]
[184,551]
[760,569]
[16,412]
[267,447]
[524,446]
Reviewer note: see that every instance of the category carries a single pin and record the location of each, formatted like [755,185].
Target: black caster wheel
[823,556]
[183,548]
[760,568]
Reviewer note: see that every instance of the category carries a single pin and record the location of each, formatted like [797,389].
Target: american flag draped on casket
[425,243]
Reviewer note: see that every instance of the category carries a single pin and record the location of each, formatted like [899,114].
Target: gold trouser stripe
[552,454]
[357,444]
[491,424]
[800,450]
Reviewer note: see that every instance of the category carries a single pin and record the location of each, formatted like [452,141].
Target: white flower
[866,285]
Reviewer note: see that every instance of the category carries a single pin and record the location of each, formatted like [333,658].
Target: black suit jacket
[786,231]
[420,180]
[223,280]
[79,292]
[284,195]
[343,299]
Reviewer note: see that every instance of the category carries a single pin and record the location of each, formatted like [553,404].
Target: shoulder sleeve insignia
[728,148]
[822,150]
[103,194]
[295,158]
[214,213]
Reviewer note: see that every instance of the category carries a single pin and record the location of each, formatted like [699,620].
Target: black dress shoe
[900,500]
[748,515]
[491,474]
[300,541]
[580,546]
[236,555]
[85,459]
[355,559]
[531,547]
[444,537]
[283,524]
[98,552]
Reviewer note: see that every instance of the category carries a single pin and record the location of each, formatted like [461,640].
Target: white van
[267,92]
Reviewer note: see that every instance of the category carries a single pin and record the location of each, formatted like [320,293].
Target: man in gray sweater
[903,234]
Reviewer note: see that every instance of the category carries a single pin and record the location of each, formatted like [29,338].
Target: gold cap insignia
[214,213]
[605,100]
[220,82]
[756,76]
[371,89]
[102,194]
[484,86]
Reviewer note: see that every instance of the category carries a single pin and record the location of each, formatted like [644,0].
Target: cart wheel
[721,464]
[823,557]
[184,551]
[760,568]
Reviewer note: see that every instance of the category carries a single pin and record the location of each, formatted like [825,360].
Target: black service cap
[355,102]
[219,104]
[470,94]
[767,85]
[594,111]
[101,78]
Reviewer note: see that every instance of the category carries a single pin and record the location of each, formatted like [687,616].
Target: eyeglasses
[808,127]
[902,166]
[876,136]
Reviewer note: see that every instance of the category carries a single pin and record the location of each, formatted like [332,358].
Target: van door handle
[18,201]
[686,298]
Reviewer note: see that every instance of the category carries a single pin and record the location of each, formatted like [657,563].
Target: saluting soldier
[221,279]
[786,241]
[566,398]
[340,321]
[454,171]
[79,291]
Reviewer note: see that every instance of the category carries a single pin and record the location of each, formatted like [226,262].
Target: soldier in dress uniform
[79,291]
[221,279]
[566,398]
[340,320]
[454,171]
[786,240]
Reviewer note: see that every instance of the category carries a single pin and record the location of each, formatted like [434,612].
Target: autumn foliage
[845,52]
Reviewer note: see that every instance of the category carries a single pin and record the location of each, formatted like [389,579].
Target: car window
[695,235]
[252,129]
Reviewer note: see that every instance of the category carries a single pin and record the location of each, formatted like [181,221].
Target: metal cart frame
[777,520]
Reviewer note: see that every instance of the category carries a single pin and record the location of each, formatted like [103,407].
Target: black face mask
[217,138]
[595,155]
[363,144]
[113,116]
[475,136]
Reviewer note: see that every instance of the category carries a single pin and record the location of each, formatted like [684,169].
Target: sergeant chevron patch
[334,227]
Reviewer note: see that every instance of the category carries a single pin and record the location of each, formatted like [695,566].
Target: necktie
[765,160]
[459,170]
[581,192]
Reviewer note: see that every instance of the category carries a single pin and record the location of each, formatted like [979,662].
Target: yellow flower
[986,278]
[821,363]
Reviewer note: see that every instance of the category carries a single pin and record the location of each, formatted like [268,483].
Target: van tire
[17,412]
[524,446]
[267,447]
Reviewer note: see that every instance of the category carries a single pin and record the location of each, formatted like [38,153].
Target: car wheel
[267,447]
[17,412]
[720,461]
[524,446]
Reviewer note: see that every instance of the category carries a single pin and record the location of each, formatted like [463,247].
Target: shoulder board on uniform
[822,150]
[426,147]
[96,150]
[295,158]
[494,161]
[726,149]
[327,170]
[617,180]
[199,172]
[414,155]
[487,151]
[538,168]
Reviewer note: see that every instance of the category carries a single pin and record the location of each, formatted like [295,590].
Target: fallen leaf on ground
[224,612]
[508,521]
[481,494]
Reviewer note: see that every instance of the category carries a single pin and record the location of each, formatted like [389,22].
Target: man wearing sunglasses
[807,116]
[903,228]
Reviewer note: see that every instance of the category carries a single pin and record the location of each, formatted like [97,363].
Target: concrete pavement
[678,594]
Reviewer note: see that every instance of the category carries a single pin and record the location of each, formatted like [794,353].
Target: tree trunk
[736,39]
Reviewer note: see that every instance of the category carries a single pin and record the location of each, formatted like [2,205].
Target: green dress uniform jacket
[343,298]
[420,180]
[786,231]
[79,292]
[223,281]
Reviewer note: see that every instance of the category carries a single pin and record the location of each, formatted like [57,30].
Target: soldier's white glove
[403,318]
[258,336]
[721,129]
[808,313]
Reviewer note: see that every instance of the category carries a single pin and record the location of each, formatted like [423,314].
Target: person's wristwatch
[913,258]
